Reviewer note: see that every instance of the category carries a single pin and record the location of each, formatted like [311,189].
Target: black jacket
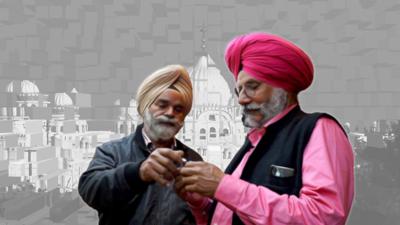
[112,186]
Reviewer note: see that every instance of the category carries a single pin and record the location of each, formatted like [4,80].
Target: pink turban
[271,59]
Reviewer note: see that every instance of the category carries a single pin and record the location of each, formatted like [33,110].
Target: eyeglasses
[248,91]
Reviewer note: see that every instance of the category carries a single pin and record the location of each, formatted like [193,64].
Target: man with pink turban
[294,167]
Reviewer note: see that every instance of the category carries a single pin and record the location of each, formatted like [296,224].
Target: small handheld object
[182,164]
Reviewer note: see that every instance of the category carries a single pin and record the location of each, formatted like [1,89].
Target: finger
[157,177]
[189,180]
[190,171]
[192,188]
[196,164]
[160,169]
[178,179]
[180,153]
[178,185]
[179,189]
[169,154]
[165,162]
[174,155]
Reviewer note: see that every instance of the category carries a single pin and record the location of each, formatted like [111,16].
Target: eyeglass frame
[250,92]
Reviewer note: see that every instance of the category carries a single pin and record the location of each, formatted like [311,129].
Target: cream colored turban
[171,76]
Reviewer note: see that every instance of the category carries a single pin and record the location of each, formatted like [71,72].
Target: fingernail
[182,164]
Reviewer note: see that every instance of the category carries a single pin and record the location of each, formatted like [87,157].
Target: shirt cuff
[199,204]
[230,191]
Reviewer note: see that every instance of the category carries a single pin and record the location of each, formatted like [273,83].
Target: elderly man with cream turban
[294,167]
[128,180]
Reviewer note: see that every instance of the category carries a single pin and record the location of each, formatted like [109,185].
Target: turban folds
[171,76]
[271,59]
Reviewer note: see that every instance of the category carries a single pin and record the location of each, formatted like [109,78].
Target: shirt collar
[255,134]
[148,143]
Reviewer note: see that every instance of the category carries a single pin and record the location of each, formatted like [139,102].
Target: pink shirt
[326,195]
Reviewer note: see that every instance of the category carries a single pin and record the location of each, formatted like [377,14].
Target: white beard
[160,131]
[274,106]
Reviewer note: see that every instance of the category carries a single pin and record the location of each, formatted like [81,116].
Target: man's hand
[160,166]
[193,199]
[198,177]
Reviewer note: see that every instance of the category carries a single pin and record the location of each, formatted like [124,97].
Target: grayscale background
[69,70]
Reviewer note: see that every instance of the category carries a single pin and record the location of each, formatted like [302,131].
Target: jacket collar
[138,139]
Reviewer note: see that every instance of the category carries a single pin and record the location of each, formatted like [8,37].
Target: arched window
[53,141]
[213,132]
[81,144]
[211,117]
[225,131]
[202,134]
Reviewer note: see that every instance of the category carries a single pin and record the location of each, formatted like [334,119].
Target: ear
[292,98]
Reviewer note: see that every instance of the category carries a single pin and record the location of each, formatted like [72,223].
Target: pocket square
[281,171]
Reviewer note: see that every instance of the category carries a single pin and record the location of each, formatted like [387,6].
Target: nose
[170,112]
[243,99]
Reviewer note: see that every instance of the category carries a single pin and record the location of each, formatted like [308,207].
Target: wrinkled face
[164,118]
[260,101]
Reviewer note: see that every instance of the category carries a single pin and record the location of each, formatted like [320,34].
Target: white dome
[74,91]
[62,99]
[29,87]
[208,79]
[10,87]
[26,86]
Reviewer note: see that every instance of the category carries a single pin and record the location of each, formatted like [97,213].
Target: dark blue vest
[282,146]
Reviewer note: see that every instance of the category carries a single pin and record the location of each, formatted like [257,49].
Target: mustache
[251,107]
[167,120]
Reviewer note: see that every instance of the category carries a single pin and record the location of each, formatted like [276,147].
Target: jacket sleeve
[326,195]
[104,185]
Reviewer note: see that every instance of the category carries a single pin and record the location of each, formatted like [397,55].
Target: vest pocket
[281,185]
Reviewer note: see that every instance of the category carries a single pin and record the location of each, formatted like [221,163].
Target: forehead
[244,77]
[171,96]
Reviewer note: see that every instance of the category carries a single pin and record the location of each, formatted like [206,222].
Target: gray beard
[160,131]
[269,109]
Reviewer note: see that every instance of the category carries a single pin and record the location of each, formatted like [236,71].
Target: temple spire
[203,30]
